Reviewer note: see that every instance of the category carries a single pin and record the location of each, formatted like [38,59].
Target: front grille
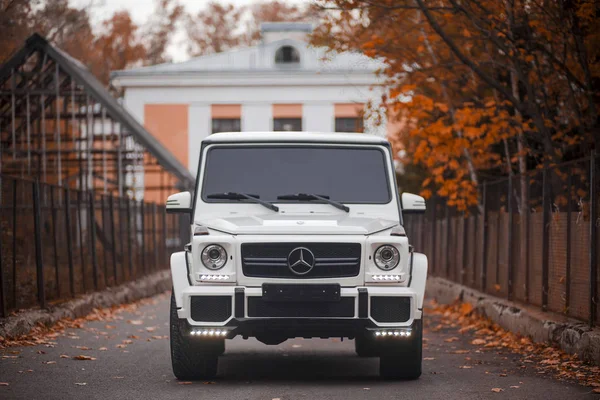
[270,260]
[210,308]
[257,307]
[390,309]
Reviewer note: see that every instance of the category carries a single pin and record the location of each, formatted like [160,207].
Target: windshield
[343,174]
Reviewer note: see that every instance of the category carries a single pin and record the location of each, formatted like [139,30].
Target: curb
[570,335]
[23,322]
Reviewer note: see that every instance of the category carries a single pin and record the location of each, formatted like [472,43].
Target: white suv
[297,234]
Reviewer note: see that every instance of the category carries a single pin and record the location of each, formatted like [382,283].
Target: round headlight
[387,257]
[214,256]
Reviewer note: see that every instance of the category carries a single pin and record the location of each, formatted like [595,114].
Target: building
[282,84]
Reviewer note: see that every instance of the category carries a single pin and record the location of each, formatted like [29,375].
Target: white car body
[233,224]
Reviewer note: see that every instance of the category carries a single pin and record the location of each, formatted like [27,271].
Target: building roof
[261,58]
[286,27]
[318,137]
[101,95]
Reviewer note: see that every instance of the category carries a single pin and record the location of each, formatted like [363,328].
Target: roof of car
[317,137]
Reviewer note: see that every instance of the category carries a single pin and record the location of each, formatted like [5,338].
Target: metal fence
[57,242]
[534,239]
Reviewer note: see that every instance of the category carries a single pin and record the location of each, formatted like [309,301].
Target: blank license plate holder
[301,292]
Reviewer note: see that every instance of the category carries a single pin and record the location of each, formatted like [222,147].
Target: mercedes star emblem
[301,261]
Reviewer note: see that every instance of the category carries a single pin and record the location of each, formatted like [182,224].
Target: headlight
[214,256]
[387,257]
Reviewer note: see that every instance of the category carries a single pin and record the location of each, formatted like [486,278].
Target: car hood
[337,224]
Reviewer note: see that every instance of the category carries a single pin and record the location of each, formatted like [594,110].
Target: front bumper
[360,312]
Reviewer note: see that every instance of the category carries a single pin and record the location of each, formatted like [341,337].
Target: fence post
[165,257]
[38,244]
[69,244]
[143,246]
[111,209]
[154,241]
[593,241]
[14,244]
[447,256]
[434,235]
[80,227]
[465,239]
[130,240]
[54,241]
[103,247]
[510,267]
[484,240]
[92,214]
[568,263]
[546,234]
[3,307]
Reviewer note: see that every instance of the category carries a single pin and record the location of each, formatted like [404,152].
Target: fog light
[209,332]
[387,278]
[214,277]
[397,333]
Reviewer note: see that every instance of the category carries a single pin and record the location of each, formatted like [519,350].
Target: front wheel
[192,358]
[402,360]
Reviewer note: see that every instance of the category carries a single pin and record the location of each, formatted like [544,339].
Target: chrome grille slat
[331,260]
[266,259]
[342,264]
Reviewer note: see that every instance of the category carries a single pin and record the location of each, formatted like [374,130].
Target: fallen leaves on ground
[42,335]
[184,383]
[84,358]
[545,359]
[497,390]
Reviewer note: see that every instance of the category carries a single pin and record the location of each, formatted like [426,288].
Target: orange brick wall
[168,123]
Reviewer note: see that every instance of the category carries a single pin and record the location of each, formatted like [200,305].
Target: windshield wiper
[242,196]
[309,197]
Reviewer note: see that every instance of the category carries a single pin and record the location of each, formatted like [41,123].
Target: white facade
[318,84]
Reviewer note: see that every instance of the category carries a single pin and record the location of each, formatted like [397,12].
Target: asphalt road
[132,362]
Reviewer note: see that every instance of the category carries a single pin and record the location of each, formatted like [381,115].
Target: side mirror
[179,203]
[412,204]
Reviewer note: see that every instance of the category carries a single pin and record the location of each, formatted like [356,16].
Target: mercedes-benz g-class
[297,234]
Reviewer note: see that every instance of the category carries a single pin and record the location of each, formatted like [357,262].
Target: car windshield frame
[385,164]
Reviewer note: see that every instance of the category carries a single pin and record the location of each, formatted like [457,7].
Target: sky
[141,9]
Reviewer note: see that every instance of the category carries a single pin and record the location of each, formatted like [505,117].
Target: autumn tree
[117,47]
[65,26]
[214,29]
[15,20]
[159,29]
[488,86]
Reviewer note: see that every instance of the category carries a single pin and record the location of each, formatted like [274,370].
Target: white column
[318,117]
[134,103]
[199,127]
[257,117]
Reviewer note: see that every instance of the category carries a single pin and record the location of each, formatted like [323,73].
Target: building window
[349,125]
[287,55]
[226,125]
[287,124]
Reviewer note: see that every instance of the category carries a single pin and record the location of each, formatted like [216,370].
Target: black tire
[192,358]
[365,346]
[402,360]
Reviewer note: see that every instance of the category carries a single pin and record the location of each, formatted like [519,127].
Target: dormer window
[287,55]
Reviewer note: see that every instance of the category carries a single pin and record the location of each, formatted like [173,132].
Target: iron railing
[533,239]
[57,243]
